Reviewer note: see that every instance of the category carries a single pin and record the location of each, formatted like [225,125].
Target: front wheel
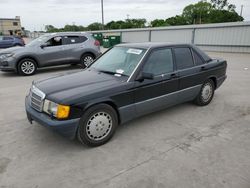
[86,60]
[27,67]
[206,94]
[97,125]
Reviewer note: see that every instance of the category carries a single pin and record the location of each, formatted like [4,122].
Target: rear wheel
[206,94]
[97,125]
[86,60]
[27,67]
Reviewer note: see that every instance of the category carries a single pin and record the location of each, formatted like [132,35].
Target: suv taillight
[97,43]
[22,41]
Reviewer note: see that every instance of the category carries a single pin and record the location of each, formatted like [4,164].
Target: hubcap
[87,60]
[207,92]
[99,126]
[28,67]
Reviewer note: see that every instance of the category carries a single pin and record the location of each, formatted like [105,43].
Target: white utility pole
[102,14]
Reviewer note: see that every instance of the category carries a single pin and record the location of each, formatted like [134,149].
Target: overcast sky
[37,13]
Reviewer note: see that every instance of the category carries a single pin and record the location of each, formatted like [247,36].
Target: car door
[7,42]
[72,47]
[1,42]
[190,75]
[160,92]
[52,52]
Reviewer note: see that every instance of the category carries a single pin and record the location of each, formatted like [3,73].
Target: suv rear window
[184,58]
[74,39]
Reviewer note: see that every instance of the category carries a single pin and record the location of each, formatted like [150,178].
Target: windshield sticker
[118,75]
[119,71]
[134,51]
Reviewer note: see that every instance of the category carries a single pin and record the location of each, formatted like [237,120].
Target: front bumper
[66,128]
[8,64]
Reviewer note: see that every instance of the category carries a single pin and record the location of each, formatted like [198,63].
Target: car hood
[12,50]
[67,88]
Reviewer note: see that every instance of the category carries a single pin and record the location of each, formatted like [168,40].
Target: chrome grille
[36,99]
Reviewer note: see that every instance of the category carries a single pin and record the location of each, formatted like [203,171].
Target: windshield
[119,61]
[38,40]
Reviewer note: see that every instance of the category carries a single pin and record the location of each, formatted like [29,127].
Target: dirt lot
[184,146]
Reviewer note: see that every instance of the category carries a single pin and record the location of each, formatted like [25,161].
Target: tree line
[203,12]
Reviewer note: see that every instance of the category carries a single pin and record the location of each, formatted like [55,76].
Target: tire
[27,67]
[206,94]
[86,60]
[97,125]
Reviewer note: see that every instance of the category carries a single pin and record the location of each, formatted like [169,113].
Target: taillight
[22,40]
[97,43]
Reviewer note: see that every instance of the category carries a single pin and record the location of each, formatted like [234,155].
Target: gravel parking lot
[184,146]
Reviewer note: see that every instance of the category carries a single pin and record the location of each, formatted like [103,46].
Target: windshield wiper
[112,73]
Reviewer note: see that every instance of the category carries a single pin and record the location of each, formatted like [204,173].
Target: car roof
[66,33]
[148,45]
[152,45]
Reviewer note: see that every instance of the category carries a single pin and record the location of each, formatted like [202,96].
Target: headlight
[57,110]
[5,56]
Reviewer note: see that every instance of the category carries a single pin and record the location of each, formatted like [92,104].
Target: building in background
[10,26]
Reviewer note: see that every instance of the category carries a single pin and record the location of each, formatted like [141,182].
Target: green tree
[197,13]
[217,11]
[158,23]
[115,25]
[137,23]
[223,5]
[176,20]
[95,26]
[218,16]
[50,28]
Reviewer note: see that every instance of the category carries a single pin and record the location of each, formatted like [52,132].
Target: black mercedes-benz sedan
[128,81]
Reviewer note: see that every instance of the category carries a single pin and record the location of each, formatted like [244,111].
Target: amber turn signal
[62,111]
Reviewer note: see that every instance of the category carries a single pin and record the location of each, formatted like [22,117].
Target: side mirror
[144,75]
[43,46]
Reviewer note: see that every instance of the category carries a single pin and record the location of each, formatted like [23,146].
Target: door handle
[174,75]
[203,68]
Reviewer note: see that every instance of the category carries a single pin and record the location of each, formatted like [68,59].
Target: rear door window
[184,58]
[74,39]
[197,59]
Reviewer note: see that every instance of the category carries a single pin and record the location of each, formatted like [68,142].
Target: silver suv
[50,50]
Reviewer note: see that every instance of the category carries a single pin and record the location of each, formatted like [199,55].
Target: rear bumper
[66,128]
[221,80]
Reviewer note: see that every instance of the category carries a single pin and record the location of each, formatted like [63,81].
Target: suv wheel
[86,60]
[97,125]
[27,67]
[206,94]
